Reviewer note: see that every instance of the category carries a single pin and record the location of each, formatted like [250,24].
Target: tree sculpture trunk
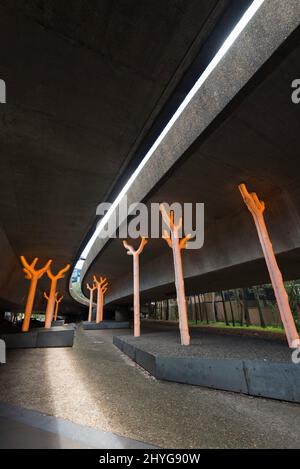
[57,302]
[136,283]
[257,208]
[102,287]
[177,245]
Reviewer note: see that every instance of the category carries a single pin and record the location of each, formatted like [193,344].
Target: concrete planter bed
[247,365]
[59,336]
[58,322]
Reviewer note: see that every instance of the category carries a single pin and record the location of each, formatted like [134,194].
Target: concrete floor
[95,385]
[22,428]
[16,435]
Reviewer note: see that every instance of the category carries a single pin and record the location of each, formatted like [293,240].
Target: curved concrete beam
[274,21]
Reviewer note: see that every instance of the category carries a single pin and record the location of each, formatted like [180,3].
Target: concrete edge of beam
[252,377]
[59,336]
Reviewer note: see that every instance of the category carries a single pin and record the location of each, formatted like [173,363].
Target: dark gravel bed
[210,345]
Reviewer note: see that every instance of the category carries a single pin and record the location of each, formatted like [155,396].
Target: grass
[222,325]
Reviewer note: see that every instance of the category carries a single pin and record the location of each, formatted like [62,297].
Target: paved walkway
[94,385]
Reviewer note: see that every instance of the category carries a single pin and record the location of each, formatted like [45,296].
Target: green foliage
[223,325]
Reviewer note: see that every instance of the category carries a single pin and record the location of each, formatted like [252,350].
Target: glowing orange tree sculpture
[51,300]
[57,302]
[102,287]
[177,245]
[257,208]
[33,275]
[136,283]
[46,296]
[92,288]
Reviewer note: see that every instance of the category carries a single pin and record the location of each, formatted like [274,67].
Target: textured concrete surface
[93,384]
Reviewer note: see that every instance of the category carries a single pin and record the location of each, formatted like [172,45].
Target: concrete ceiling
[255,140]
[85,81]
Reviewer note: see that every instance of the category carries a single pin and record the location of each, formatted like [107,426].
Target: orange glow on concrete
[102,287]
[91,289]
[136,282]
[32,275]
[257,208]
[177,245]
[51,302]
